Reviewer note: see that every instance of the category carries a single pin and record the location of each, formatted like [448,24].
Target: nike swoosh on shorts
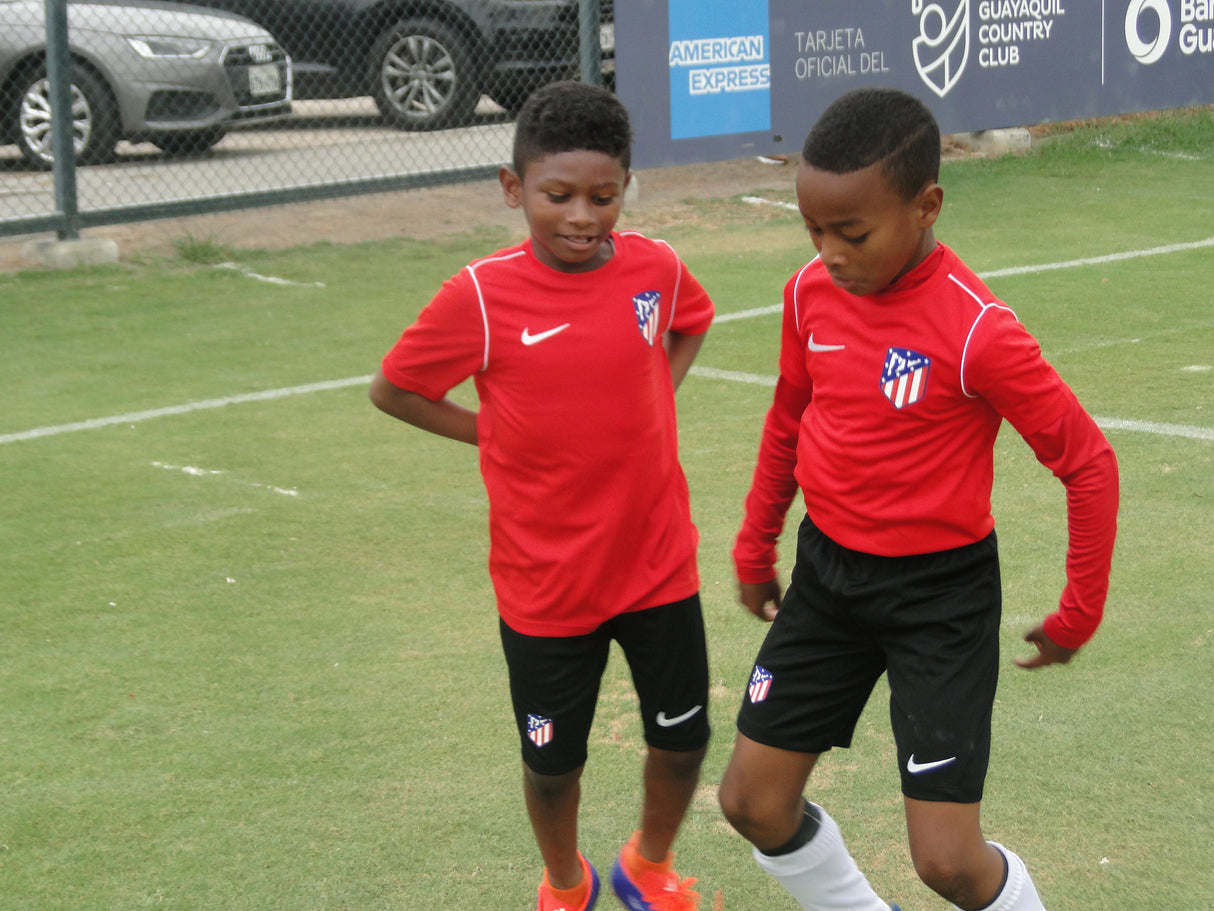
[918,768]
[677,719]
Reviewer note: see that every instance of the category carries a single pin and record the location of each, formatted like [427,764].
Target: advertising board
[714,79]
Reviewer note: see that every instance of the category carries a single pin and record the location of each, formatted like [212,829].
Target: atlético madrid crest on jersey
[539,729]
[647,305]
[760,684]
[904,376]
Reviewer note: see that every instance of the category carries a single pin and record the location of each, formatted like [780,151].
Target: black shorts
[554,683]
[931,621]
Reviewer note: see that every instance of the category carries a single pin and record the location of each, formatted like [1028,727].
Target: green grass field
[248,650]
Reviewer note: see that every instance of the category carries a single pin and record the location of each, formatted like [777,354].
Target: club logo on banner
[647,305]
[539,729]
[760,684]
[904,376]
[942,47]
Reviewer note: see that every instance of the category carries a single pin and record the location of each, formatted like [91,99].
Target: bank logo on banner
[942,47]
[720,67]
[1150,26]
[1145,51]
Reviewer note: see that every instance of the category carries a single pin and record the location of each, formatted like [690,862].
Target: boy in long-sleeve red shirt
[897,367]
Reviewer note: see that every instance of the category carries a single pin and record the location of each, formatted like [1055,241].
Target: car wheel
[188,142]
[425,77]
[95,125]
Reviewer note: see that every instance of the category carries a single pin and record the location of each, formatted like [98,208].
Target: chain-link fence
[224,104]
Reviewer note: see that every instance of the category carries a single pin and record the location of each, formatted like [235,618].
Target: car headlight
[158,47]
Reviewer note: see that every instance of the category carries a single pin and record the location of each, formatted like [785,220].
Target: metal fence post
[59,75]
[591,51]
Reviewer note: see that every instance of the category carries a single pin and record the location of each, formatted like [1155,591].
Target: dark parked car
[425,62]
[172,75]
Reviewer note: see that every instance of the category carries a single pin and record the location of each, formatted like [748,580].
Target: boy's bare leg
[670,781]
[761,792]
[797,843]
[953,858]
[552,805]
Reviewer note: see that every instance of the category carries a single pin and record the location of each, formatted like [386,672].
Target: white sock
[821,875]
[1018,893]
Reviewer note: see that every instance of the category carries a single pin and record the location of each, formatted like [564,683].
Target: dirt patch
[662,197]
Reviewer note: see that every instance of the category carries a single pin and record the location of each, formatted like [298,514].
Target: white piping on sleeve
[480,299]
[985,307]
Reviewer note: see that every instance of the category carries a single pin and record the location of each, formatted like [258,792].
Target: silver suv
[171,75]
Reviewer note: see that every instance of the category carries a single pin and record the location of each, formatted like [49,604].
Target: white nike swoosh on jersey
[817,346]
[529,339]
[918,768]
[677,719]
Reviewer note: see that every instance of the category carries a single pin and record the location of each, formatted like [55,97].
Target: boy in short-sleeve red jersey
[576,340]
[589,512]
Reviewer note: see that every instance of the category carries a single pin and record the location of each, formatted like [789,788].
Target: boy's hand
[761,598]
[1048,651]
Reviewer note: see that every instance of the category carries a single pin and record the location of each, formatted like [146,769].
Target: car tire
[95,124]
[188,142]
[425,77]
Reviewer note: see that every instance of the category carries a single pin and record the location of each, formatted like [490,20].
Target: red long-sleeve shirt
[886,412]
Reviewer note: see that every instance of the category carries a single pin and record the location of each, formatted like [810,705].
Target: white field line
[733,376]
[1045,267]
[1168,430]
[133,417]
[1097,260]
[197,472]
[269,279]
[760,201]
[747,314]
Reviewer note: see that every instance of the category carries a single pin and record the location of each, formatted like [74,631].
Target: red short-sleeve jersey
[589,512]
[886,414]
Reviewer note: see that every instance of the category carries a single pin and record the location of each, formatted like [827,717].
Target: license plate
[264,80]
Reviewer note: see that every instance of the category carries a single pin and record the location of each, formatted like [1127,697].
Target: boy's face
[868,235]
[572,201]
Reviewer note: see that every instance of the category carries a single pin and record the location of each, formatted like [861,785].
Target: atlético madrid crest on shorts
[760,684]
[904,376]
[647,305]
[539,729]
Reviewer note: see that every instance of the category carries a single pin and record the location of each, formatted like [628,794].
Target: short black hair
[571,117]
[871,125]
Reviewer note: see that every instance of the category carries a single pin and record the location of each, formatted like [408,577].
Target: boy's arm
[443,417]
[1082,459]
[774,485]
[1005,367]
[681,351]
[771,494]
